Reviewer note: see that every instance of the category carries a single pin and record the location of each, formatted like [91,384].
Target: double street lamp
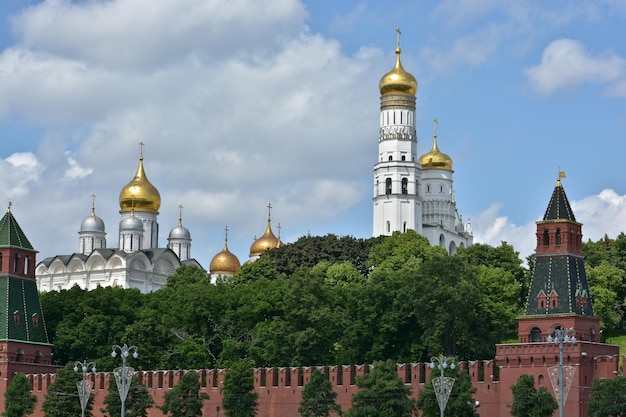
[442,384]
[84,386]
[124,375]
[561,336]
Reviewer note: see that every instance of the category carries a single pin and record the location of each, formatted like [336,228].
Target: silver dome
[131,223]
[180,232]
[92,223]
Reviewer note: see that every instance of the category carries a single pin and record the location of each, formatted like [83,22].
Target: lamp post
[442,384]
[124,375]
[84,386]
[561,336]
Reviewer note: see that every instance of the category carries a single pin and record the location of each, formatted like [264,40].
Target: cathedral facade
[136,262]
[412,192]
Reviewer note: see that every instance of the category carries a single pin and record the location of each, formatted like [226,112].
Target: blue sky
[243,103]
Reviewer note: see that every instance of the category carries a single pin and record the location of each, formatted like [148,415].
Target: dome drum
[397,101]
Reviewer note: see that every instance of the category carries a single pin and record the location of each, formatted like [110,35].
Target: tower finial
[180,214]
[226,235]
[9,207]
[398,37]
[561,175]
[269,212]
[436,122]
[279,227]
[93,204]
[141,145]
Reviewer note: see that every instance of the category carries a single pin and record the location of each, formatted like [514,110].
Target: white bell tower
[397,203]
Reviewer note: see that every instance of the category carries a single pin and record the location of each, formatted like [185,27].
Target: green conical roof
[11,234]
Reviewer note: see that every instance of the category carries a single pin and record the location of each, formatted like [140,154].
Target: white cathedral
[412,193]
[409,193]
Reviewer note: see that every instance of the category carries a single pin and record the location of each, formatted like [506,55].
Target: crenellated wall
[280,389]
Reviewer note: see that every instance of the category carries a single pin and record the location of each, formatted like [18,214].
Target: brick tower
[24,344]
[558,298]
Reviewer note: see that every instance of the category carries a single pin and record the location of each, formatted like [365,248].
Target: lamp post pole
[84,386]
[560,337]
[124,375]
[442,385]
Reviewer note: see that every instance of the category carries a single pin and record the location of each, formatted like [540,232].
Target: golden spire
[561,175]
[398,81]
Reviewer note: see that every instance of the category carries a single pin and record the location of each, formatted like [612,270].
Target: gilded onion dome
[267,241]
[139,193]
[398,80]
[435,158]
[225,262]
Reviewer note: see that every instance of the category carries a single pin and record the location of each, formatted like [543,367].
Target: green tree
[318,397]
[460,402]
[62,397]
[137,403]
[607,287]
[608,398]
[238,396]
[530,402]
[18,400]
[382,394]
[185,399]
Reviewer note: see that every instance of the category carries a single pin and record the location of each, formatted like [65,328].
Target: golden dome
[435,158]
[139,193]
[265,242]
[224,263]
[398,81]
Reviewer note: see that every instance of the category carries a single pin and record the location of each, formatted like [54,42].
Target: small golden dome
[435,158]
[139,193]
[398,81]
[265,242]
[224,263]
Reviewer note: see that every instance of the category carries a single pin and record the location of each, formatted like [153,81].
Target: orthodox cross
[180,214]
[398,36]
[436,123]
[269,212]
[93,204]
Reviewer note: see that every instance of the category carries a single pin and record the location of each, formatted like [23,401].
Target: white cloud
[17,172]
[604,213]
[75,171]
[565,63]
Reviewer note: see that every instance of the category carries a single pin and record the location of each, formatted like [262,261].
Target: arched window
[405,186]
[558,236]
[388,227]
[17,256]
[546,237]
[403,157]
[535,335]
[388,186]
[0,261]
[404,228]
[26,259]
[391,157]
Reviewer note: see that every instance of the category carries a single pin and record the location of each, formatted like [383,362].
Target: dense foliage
[323,301]
[18,399]
[318,397]
[608,398]
[137,403]
[382,394]
[530,402]
[185,399]
[62,397]
[238,396]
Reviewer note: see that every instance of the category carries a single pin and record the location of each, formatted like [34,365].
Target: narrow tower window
[546,237]
[391,157]
[388,186]
[405,186]
[388,227]
[558,236]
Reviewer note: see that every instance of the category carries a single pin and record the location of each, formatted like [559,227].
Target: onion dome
[180,231]
[131,223]
[398,80]
[92,223]
[435,158]
[267,241]
[224,263]
[139,193]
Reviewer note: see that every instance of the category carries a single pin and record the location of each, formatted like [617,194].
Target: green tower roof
[11,234]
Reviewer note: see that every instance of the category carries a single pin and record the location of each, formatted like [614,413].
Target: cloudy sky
[245,102]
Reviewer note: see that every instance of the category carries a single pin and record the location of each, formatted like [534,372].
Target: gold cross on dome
[436,123]
[398,36]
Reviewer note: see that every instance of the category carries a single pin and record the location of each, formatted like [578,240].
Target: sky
[242,103]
